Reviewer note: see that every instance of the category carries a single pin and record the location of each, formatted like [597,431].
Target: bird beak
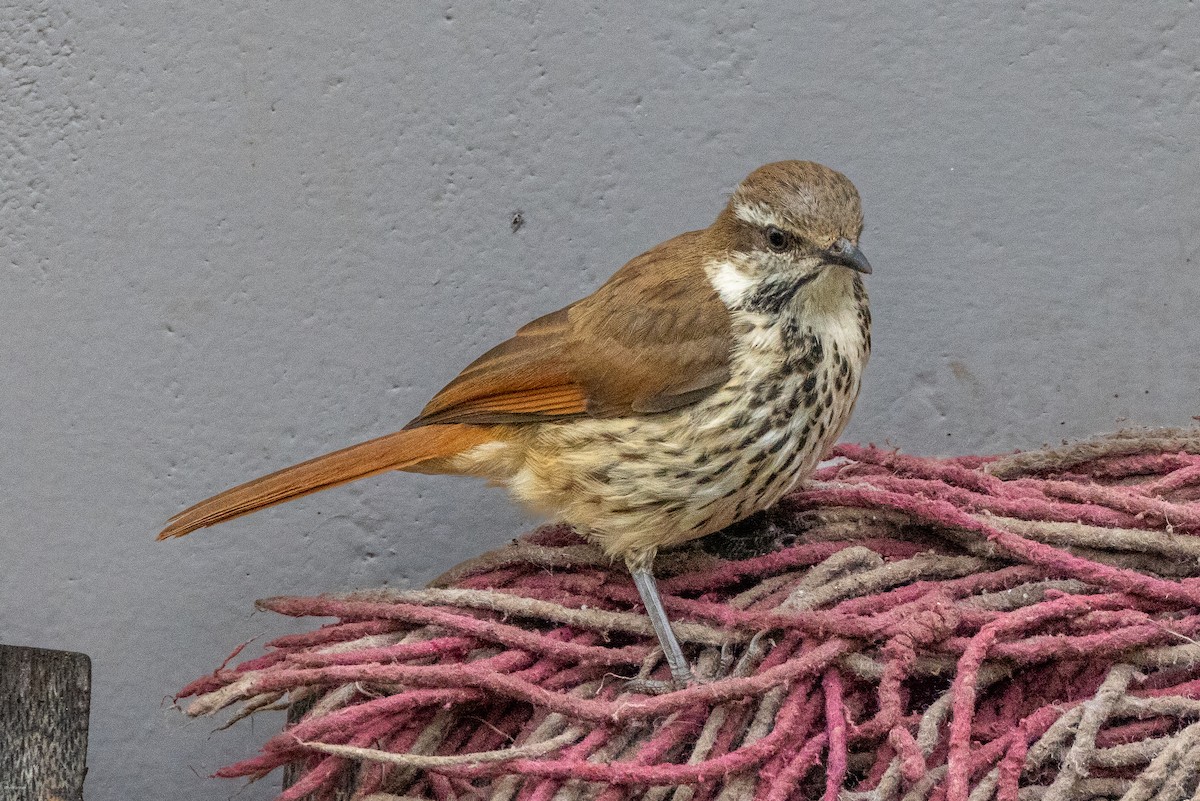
[847,254]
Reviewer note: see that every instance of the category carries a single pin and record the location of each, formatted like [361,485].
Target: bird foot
[727,665]
[656,686]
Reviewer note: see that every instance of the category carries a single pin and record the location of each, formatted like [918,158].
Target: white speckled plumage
[637,484]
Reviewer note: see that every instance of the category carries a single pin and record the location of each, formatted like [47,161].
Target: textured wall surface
[237,234]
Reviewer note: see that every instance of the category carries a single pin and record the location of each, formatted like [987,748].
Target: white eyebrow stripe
[756,214]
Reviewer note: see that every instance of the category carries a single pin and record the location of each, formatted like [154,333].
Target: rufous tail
[403,450]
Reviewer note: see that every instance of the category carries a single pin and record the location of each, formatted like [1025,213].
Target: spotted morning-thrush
[698,385]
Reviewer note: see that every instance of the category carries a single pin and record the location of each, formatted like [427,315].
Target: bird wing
[524,378]
[655,337]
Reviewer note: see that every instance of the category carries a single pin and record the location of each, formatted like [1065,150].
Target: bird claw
[730,666]
[725,666]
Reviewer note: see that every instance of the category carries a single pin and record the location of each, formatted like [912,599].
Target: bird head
[793,219]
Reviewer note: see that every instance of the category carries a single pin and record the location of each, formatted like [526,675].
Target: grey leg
[644,579]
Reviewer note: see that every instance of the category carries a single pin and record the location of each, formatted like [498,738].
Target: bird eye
[777,240]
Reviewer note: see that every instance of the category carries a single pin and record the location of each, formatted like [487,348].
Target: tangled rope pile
[1018,627]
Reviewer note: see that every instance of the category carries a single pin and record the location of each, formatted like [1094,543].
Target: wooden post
[44,701]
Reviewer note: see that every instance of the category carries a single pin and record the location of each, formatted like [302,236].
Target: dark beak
[847,254]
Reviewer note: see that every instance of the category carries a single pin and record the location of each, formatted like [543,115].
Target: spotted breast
[634,485]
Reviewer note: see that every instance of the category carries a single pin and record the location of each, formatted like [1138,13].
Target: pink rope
[836,765]
[887,666]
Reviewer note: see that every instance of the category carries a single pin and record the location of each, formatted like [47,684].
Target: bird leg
[643,578]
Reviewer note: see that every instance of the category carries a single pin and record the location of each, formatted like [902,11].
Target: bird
[698,385]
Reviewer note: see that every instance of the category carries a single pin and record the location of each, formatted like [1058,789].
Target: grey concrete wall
[237,234]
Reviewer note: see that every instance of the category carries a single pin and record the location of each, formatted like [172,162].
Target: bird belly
[633,486]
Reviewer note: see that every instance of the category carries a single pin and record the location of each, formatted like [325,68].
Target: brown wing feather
[655,337]
[521,379]
[663,336]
